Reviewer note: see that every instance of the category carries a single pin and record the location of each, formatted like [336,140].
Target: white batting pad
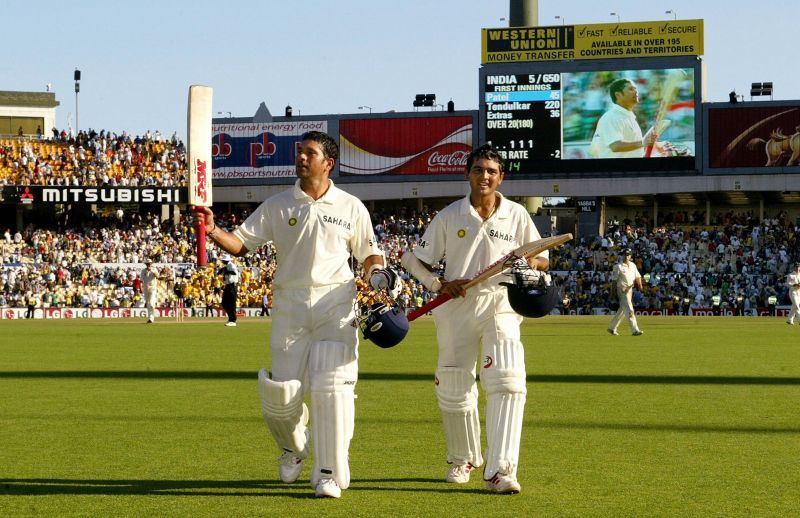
[284,412]
[333,372]
[457,393]
[503,378]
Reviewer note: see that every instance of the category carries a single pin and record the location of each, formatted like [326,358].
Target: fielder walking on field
[150,288]
[793,280]
[470,234]
[315,228]
[624,277]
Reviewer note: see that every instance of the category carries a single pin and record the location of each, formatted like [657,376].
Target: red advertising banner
[413,145]
[754,137]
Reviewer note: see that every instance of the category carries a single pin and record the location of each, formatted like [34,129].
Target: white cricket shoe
[230,324]
[503,484]
[459,473]
[612,332]
[289,467]
[638,333]
[328,488]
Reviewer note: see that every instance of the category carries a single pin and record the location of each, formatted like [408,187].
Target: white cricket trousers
[301,317]
[625,310]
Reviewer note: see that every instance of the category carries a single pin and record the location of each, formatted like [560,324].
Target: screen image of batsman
[470,234]
[315,228]
[618,134]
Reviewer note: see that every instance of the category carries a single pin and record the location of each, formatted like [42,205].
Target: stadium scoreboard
[542,116]
[523,118]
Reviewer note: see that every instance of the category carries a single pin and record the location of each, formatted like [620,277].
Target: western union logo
[595,41]
[529,38]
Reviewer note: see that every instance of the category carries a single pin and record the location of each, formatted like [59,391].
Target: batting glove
[386,279]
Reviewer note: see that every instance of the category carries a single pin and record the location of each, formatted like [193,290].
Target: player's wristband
[212,231]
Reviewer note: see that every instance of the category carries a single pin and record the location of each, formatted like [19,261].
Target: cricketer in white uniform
[618,134]
[469,235]
[625,276]
[315,228]
[150,287]
[793,280]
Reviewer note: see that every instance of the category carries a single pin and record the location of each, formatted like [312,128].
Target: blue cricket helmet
[385,326]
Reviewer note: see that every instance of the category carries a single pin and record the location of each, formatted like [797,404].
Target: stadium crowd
[736,261]
[94,159]
[739,264]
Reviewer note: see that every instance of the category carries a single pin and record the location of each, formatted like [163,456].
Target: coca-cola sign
[457,158]
[405,145]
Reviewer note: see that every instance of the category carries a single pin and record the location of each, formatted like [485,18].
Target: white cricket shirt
[791,279]
[617,124]
[149,279]
[625,275]
[469,244]
[314,239]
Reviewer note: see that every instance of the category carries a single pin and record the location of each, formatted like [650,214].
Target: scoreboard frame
[541,167]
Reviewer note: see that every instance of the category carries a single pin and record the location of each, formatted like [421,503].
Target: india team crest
[292,221]
[461,232]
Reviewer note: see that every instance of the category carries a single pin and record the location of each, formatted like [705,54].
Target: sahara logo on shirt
[336,221]
[500,235]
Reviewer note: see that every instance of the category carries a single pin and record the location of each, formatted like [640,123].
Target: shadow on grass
[57,486]
[663,427]
[257,488]
[411,376]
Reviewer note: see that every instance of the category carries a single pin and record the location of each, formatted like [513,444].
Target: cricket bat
[199,158]
[523,252]
[668,94]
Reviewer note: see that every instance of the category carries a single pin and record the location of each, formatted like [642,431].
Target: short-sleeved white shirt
[617,124]
[792,279]
[469,244]
[149,280]
[625,274]
[314,239]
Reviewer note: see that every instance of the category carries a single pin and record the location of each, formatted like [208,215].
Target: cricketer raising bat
[668,93]
[199,158]
[523,252]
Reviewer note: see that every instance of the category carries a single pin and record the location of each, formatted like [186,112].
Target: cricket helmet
[532,293]
[384,325]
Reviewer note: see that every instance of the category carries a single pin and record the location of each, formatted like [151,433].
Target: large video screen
[592,120]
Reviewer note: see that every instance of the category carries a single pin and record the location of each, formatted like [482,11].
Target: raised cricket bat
[523,252]
[668,94]
[199,158]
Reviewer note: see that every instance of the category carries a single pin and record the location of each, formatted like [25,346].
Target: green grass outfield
[698,417]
